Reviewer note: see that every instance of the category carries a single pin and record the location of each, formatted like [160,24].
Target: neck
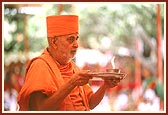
[58,58]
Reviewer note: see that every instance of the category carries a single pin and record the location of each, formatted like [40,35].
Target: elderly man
[53,81]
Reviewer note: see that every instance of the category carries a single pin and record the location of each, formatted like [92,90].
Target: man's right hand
[81,78]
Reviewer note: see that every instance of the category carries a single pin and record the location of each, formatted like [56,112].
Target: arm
[39,101]
[97,97]
[99,94]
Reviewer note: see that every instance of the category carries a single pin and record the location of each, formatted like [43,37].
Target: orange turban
[61,25]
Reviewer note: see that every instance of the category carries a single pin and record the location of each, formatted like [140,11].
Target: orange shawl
[43,74]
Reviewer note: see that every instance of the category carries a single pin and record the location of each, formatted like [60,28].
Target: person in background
[53,81]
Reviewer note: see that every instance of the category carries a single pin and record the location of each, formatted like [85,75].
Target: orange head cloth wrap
[61,25]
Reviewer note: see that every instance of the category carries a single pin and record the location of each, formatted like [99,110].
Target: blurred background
[133,33]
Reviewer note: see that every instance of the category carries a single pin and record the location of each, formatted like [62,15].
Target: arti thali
[108,75]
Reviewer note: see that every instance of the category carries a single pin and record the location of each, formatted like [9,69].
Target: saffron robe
[45,75]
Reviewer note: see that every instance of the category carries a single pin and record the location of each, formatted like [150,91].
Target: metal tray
[108,75]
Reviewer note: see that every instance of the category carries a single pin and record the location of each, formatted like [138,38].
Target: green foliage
[115,22]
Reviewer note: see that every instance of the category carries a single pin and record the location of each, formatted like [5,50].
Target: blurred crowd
[13,81]
[125,97]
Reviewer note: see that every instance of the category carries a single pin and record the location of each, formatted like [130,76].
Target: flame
[112,62]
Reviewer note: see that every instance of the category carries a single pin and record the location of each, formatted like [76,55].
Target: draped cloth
[45,75]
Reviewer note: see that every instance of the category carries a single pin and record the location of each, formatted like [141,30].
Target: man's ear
[54,42]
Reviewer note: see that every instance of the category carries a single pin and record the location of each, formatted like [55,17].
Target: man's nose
[75,44]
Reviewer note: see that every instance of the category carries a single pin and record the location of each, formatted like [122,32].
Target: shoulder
[36,63]
[37,68]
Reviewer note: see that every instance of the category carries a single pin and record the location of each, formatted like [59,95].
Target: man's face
[67,45]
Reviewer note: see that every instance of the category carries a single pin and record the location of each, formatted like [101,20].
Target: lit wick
[113,69]
[112,62]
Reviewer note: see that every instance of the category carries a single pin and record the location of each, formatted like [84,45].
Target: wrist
[105,86]
[72,82]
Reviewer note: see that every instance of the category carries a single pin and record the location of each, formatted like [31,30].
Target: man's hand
[110,83]
[81,78]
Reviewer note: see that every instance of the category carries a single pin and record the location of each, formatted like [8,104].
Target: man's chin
[73,56]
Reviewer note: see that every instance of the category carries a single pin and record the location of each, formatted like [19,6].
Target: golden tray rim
[108,75]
